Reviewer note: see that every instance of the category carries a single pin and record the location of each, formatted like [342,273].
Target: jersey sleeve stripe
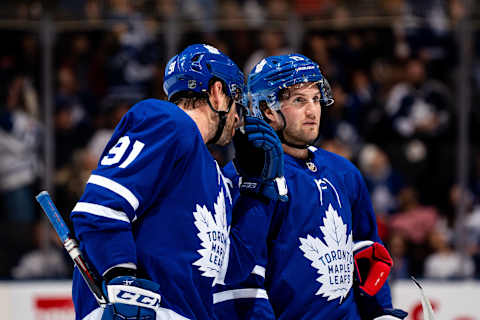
[259,271]
[248,293]
[102,211]
[115,187]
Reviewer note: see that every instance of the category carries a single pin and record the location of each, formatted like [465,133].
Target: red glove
[372,266]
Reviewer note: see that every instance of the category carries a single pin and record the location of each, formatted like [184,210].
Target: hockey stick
[426,305]
[90,275]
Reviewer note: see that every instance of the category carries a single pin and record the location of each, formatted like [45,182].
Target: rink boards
[51,300]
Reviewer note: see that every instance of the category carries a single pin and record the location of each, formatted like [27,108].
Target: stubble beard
[227,134]
[303,136]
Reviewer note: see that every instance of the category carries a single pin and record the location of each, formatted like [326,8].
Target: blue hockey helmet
[275,73]
[192,69]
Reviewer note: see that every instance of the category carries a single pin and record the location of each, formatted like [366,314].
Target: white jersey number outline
[116,153]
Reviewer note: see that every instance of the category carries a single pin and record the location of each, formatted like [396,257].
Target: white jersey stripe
[259,271]
[162,314]
[115,187]
[101,211]
[251,293]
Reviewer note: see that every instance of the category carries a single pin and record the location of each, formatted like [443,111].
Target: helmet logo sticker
[171,67]
[211,49]
[192,84]
[260,65]
[296,58]
[305,68]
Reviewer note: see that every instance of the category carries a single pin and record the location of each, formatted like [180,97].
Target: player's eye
[316,99]
[299,100]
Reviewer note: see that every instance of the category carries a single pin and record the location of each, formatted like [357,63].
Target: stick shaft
[90,275]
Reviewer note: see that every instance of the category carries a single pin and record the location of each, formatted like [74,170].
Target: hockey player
[155,217]
[322,258]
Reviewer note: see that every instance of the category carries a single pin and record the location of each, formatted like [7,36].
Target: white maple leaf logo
[213,232]
[332,257]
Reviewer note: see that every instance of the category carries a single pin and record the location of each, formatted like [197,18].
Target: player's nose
[310,110]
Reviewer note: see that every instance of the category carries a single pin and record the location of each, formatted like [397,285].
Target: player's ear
[270,116]
[216,94]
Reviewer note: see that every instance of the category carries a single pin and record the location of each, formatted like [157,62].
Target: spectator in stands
[46,260]
[317,46]
[131,66]
[383,182]
[71,130]
[471,234]
[71,179]
[418,106]
[472,224]
[398,249]
[414,222]
[338,125]
[20,135]
[404,108]
[418,109]
[68,93]
[272,43]
[445,262]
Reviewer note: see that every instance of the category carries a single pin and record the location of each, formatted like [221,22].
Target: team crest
[332,257]
[311,166]
[213,232]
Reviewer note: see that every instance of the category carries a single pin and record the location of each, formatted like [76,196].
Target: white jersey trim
[259,271]
[249,293]
[115,187]
[162,314]
[128,265]
[101,211]
[96,314]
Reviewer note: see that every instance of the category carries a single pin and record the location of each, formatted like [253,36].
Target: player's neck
[205,124]
[295,152]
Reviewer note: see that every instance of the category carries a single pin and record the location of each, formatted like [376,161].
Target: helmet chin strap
[282,138]
[221,124]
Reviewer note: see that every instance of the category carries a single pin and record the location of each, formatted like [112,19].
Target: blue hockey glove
[259,160]
[131,298]
[372,266]
[392,314]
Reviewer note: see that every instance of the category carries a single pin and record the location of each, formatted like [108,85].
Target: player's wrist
[120,270]
[266,190]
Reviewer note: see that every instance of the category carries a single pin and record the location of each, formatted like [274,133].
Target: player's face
[233,122]
[302,111]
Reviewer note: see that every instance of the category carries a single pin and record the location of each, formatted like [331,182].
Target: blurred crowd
[395,84]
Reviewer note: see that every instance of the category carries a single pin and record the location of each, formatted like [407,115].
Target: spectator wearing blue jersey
[155,219]
[322,258]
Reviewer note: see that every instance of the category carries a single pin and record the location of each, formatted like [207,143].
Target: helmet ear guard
[326,92]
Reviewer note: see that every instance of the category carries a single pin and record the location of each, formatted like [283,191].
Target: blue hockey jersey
[305,269]
[160,201]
